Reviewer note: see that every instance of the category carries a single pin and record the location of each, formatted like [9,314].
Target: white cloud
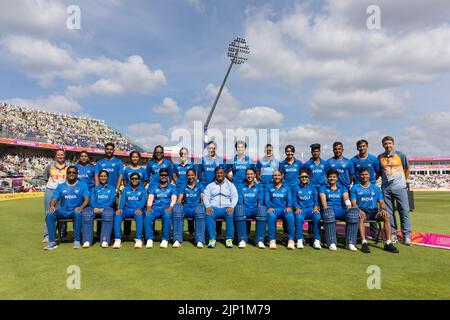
[148,135]
[53,103]
[168,106]
[259,117]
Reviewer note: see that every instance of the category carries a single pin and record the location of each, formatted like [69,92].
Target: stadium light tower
[238,51]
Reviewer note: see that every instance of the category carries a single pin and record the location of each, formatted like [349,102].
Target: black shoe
[390,248]
[365,248]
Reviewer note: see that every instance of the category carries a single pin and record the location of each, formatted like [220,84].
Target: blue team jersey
[114,168]
[345,169]
[206,169]
[139,170]
[291,171]
[335,198]
[239,168]
[305,196]
[153,168]
[250,197]
[180,172]
[366,197]
[102,197]
[371,162]
[133,199]
[86,174]
[71,196]
[317,172]
[278,197]
[162,196]
[192,195]
[266,168]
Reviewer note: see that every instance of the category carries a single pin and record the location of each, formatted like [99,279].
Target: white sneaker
[261,245]
[176,244]
[149,244]
[105,244]
[199,245]
[272,244]
[291,245]
[138,244]
[316,245]
[352,247]
[407,241]
[242,244]
[332,247]
[300,244]
[117,244]
[394,238]
[164,244]
[86,244]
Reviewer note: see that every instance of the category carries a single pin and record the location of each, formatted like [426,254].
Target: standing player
[317,167]
[266,166]
[306,203]
[161,200]
[74,197]
[180,170]
[86,171]
[278,200]
[290,167]
[135,158]
[366,196]
[343,165]
[366,160]
[336,205]
[157,163]
[131,205]
[394,173]
[241,162]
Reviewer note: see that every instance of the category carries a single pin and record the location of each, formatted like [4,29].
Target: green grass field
[28,272]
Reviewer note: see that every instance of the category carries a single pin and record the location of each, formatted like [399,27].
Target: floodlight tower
[238,51]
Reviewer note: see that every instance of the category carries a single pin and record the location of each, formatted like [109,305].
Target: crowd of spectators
[30,124]
[432,181]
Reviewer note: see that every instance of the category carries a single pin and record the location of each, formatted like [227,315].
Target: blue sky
[316,72]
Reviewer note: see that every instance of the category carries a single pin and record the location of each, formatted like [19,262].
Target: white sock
[388,241]
[364,241]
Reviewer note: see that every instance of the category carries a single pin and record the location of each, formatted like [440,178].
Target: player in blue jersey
[157,163]
[135,166]
[266,166]
[241,162]
[306,203]
[317,167]
[74,197]
[102,198]
[335,204]
[366,160]
[131,205]
[180,169]
[86,171]
[343,165]
[189,205]
[250,200]
[368,198]
[113,165]
[278,200]
[290,167]
[161,200]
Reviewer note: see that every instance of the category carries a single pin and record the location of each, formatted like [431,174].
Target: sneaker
[51,246]
[105,244]
[365,248]
[86,244]
[229,243]
[390,248]
[149,244]
[394,238]
[212,244]
[164,244]
[199,245]
[138,244]
[242,244]
[291,245]
[352,247]
[261,245]
[300,244]
[332,247]
[117,244]
[45,240]
[176,244]
[316,245]
[272,244]
[407,241]
[76,244]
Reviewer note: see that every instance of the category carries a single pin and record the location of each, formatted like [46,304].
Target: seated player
[278,200]
[250,203]
[220,198]
[131,205]
[336,205]
[189,205]
[161,200]
[101,203]
[306,202]
[74,197]
[366,196]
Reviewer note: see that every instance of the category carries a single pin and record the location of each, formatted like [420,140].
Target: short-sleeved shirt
[206,170]
[129,170]
[181,172]
[71,196]
[370,162]
[153,168]
[239,168]
[250,197]
[114,166]
[305,196]
[102,197]
[335,198]
[162,196]
[291,171]
[192,196]
[345,168]
[55,175]
[392,170]
[366,197]
[266,169]
[317,172]
[86,174]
